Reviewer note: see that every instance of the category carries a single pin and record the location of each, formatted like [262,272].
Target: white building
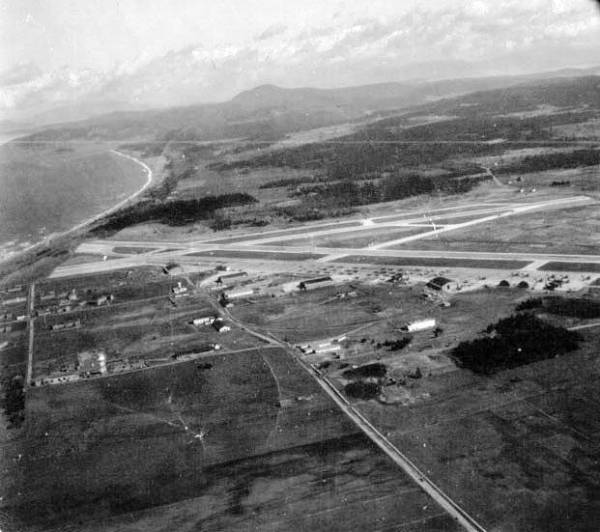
[205,320]
[421,325]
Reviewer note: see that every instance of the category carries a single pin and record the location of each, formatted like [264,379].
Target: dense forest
[549,161]
[563,306]
[514,341]
[173,212]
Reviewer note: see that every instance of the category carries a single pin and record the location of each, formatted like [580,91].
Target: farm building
[237,276]
[319,282]
[439,283]
[204,320]
[420,325]
[91,362]
[220,326]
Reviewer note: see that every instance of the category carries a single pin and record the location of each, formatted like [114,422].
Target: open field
[529,462]
[572,230]
[125,250]
[566,267]
[304,316]
[152,331]
[284,232]
[435,262]
[266,255]
[359,239]
[225,443]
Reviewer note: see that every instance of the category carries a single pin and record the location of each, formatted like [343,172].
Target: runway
[263,246]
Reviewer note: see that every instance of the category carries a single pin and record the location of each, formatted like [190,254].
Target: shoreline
[81,225]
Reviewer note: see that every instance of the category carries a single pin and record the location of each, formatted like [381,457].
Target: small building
[204,320]
[179,289]
[172,268]
[220,326]
[439,283]
[327,348]
[420,325]
[104,299]
[66,325]
[16,288]
[14,301]
[319,282]
[91,363]
[237,276]
[237,294]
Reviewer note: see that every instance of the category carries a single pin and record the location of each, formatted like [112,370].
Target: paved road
[489,172]
[586,326]
[399,458]
[30,328]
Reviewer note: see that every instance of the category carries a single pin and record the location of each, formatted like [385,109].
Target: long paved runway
[263,246]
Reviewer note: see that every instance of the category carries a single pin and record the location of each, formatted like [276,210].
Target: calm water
[47,189]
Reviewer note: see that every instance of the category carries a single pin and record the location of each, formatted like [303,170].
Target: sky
[172,52]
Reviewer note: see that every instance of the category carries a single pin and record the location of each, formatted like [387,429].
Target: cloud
[272,31]
[431,40]
[20,73]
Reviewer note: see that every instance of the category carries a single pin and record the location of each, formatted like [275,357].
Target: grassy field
[571,267]
[436,262]
[131,250]
[530,461]
[572,230]
[266,255]
[154,330]
[358,239]
[314,314]
[120,454]
[284,233]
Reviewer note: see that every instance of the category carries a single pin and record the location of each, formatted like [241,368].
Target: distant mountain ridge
[269,112]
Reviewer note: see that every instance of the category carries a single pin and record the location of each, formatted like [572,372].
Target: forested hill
[269,112]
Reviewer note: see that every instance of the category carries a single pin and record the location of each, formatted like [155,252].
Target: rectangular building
[319,282]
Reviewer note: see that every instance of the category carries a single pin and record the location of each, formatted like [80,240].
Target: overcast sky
[177,51]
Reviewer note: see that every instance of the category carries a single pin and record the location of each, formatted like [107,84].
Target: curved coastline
[123,202]
[81,225]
